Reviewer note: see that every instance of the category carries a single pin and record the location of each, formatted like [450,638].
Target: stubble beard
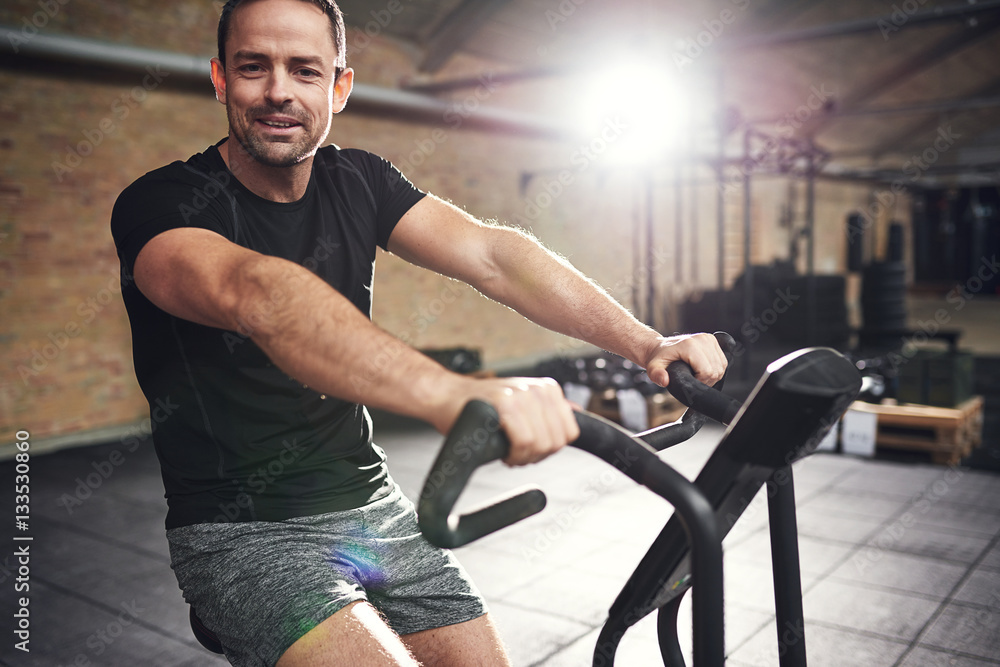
[268,152]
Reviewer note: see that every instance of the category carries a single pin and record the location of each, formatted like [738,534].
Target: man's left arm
[511,267]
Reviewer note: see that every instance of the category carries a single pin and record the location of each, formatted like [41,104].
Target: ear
[219,80]
[342,89]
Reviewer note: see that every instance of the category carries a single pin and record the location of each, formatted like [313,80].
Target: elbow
[258,297]
[501,263]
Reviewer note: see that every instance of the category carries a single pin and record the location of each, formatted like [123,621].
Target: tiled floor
[900,561]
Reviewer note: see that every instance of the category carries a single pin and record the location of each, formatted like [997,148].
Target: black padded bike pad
[793,406]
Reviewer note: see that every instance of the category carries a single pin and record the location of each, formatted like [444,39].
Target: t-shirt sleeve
[394,194]
[152,205]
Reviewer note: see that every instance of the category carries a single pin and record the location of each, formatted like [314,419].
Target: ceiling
[893,90]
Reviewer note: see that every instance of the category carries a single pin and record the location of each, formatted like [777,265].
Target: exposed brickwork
[70,143]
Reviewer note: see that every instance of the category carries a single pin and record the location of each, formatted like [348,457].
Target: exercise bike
[798,398]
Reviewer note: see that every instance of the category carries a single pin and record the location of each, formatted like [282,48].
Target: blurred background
[796,172]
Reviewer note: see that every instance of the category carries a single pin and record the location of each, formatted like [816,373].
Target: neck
[278,184]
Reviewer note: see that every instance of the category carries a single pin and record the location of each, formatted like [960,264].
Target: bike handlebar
[474,440]
[694,394]
[477,439]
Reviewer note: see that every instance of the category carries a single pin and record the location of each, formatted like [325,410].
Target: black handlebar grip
[474,440]
[712,403]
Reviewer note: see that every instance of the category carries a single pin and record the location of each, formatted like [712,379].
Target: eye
[308,73]
[251,69]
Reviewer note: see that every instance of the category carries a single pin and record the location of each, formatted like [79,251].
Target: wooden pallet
[662,408]
[948,434]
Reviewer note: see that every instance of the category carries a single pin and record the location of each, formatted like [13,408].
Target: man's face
[279,83]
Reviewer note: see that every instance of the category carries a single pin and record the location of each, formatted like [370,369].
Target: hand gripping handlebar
[477,439]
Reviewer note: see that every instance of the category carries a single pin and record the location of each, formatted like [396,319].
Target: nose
[279,90]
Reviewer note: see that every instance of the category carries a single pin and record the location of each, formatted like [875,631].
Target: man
[248,273]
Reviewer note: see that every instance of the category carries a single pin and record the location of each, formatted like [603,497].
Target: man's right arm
[316,335]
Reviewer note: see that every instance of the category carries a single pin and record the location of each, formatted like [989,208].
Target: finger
[707,357]
[545,413]
[525,423]
[561,416]
[546,420]
[516,426]
[657,372]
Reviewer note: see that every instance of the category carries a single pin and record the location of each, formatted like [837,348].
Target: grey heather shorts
[261,585]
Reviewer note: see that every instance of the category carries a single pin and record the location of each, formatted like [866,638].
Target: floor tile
[531,635]
[825,647]
[841,502]
[570,594]
[922,657]
[862,599]
[497,573]
[59,618]
[638,647]
[749,585]
[992,559]
[901,572]
[956,517]
[974,487]
[932,543]
[116,517]
[852,530]
[981,588]
[905,480]
[891,615]
[816,556]
[967,630]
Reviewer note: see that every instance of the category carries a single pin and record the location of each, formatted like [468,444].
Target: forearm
[549,291]
[317,336]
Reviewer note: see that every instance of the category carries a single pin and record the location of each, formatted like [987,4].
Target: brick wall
[74,137]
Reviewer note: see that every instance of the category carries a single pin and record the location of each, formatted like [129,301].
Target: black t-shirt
[237,438]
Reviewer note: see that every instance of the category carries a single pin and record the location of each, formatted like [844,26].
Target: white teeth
[275,124]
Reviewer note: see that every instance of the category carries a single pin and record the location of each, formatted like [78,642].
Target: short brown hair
[329,7]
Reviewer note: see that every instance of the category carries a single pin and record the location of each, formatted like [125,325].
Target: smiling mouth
[278,124]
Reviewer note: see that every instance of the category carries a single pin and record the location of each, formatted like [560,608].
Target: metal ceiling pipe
[890,21]
[470,113]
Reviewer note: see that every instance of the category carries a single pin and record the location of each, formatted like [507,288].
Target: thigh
[414,584]
[474,642]
[355,635]
[260,586]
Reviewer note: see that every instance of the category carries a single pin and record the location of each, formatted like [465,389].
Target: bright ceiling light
[640,108]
